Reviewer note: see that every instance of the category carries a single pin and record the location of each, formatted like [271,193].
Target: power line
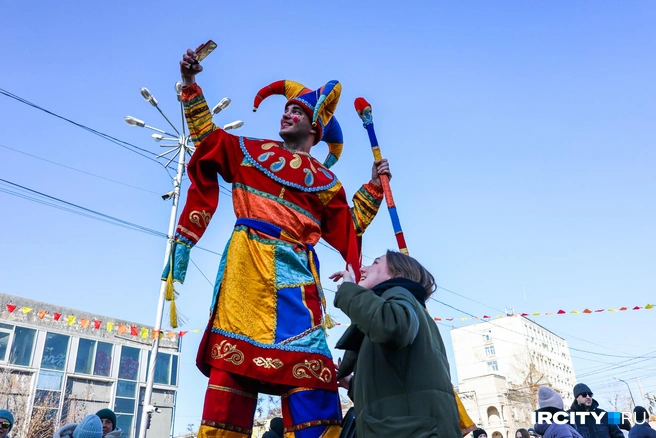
[83,211]
[77,170]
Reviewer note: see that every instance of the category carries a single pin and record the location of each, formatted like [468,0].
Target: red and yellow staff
[364,111]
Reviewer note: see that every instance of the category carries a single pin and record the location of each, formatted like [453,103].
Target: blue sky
[520,135]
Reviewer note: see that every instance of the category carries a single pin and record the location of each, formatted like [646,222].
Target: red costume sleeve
[218,154]
[338,229]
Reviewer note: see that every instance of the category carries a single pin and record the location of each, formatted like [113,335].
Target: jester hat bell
[319,105]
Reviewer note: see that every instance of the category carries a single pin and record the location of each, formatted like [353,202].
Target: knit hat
[318,105]
[580,388]
[277,426]
[109,415]
[548,398]
[479,432]
[90,427]
[641,414]
[9,416]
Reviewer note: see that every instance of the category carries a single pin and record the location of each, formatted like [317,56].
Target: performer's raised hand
[347,276]
[380,167]
[189,68]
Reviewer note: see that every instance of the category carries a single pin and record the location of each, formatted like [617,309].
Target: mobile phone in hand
[204,49]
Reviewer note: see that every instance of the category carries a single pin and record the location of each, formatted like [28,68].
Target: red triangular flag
[600,310]
[486,317]
[561,312]
[96,324]
[525,314]
[56,316]
[637,308]
[449,319]
[134,330]
[181,334]
[11,308]
[587,310]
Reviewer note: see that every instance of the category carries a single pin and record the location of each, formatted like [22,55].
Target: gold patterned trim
[227,352]
[189,233]
[268,363]
[196,216]
[315,368]
[296,162]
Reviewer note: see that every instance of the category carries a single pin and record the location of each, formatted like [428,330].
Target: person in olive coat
[401,385]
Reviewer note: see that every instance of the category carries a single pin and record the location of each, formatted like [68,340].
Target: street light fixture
[223,104]
[179,150]
[627,385]
[233,125]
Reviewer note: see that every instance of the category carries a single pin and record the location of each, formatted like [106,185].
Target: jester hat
[319,105]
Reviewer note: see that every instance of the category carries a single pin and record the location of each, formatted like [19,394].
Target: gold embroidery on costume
[189,232]
[227,352]
[268,362]
[269,145]
[196,216]
[282,192]
[315,368]
[296,162]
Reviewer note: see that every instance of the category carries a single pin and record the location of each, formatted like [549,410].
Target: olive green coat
[401,385]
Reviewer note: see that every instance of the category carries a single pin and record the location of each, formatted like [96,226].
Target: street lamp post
[627,385]
[180,149]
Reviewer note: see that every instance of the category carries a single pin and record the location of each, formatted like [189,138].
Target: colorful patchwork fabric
[267,318]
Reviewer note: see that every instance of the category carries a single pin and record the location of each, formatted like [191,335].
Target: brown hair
[523,433]
[401,265]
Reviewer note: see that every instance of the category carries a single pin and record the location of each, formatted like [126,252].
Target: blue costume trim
[270,174]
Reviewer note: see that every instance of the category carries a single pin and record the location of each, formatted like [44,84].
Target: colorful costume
[267,328]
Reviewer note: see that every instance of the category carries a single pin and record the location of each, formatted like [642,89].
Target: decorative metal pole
[180,149]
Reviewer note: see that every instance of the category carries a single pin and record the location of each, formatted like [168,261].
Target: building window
[16,351]
[94,355]
[48,394]
[5,334]
[489,351]
[166,368]
[124,405]
[487,337]
[129,366]
[493,366]
[55,352]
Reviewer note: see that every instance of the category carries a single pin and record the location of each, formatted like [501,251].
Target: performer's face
[375,274]
[295,124]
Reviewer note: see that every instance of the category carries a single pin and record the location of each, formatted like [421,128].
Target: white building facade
[500,365]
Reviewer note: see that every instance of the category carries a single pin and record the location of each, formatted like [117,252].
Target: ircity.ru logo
[571,417]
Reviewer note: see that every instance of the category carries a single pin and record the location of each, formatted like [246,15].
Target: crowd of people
[102,424]
[581,426]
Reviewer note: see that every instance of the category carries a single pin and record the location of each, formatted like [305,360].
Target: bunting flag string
[146,333]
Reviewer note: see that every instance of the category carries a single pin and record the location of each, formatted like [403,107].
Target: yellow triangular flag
[536,314]
[464,319]
[144,332]
[197,330]
[612,310]
[500,316]
[649,306]
[110,326]
[71,319]
[27,310]
[575,312]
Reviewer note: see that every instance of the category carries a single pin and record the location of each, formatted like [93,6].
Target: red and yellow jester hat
[319,105]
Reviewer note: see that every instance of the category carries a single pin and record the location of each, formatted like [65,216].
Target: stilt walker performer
[266,331]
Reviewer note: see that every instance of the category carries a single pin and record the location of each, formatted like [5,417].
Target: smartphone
[204,49]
